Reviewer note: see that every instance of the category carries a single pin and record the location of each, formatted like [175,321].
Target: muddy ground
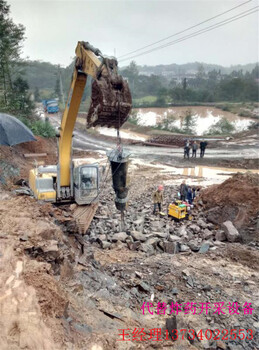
[61,290]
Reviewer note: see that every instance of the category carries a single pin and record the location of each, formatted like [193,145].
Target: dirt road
[86,141]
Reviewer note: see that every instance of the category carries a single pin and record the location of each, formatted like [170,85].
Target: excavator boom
[110,104]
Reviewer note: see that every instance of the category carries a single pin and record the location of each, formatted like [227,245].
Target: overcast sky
[54,27]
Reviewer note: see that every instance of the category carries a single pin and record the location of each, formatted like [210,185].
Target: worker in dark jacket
[183,191]
[158,198]
[189,195]
[193,193]
[203,146]
[186,149]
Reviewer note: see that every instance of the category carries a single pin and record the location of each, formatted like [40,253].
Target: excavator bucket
[111,98]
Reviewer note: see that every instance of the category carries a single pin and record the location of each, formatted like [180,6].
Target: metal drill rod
[122,221]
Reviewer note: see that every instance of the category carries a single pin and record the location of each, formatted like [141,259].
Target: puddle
[206,176]
[199,175]
[204,117]
[123,134]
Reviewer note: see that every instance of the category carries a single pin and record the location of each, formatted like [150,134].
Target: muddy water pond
[199,175]
[206,176]
[204,117]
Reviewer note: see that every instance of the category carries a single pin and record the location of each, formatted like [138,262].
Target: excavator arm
[89,63]
[110,105]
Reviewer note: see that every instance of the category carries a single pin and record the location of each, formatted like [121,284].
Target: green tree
[11,39]
[255,72]
[168,122]
[223,126]
[19,98]
[200,72]
[37,94]
[57,90]
[184,82]
[189,123]
[161,97]
[131,72]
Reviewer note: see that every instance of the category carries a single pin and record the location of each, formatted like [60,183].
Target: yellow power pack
[176,211]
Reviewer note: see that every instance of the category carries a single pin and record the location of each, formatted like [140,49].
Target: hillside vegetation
[155,89]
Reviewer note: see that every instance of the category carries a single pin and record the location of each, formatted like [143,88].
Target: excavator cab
[86,184]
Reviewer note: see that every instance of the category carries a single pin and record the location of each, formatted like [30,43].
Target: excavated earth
[236,199]
[62,290]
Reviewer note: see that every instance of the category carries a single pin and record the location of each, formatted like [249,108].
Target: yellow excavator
[71,180]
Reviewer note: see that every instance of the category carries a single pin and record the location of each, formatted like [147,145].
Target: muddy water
[203,175]
[204,116]
[206,176]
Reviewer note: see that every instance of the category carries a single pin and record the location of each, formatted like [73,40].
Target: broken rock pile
[174,140]
[153,234]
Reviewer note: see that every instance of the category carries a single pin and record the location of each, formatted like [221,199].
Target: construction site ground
[63,290]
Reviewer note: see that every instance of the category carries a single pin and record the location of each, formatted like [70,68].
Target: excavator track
[83,216]
[111,98]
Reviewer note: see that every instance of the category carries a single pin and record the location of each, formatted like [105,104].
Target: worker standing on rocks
[193,193]
[183,191]
[158,198]
[189,195]
[194,149]
[203,146]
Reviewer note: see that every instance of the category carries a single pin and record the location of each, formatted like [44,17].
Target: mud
[61,290]
[110,98]
[81,295]
[235,199]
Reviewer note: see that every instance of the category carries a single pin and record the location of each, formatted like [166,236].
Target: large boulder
[121,236]
[195,228]
[182,232]
[201,223]
[194,245]
[220,236]
[231,232]
[171,247]
[207,234]
[174,238]
[134,245]
[160,234]
[138,236]
[218,215]
[147,248]
[105,244]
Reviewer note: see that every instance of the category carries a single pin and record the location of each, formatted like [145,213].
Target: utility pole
[61,87]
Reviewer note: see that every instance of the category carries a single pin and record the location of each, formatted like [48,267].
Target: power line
[185,30]
[204,30]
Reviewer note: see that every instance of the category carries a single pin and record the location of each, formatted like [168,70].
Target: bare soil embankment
[236,199]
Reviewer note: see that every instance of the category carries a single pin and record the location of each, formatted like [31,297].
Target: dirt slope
[23,323]
[236,199]
[13,164]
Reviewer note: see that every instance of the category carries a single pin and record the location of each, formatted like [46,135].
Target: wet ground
[203,116]
[61,290]
[85,141]
[79,296]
